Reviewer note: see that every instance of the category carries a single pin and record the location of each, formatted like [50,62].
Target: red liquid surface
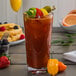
[38,40]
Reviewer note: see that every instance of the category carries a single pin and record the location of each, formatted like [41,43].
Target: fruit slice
[72,12]
[44,11]
[61,66]
[16,4]
[52,66]
[49,9]
[69,20]
[39,13]
[31,12]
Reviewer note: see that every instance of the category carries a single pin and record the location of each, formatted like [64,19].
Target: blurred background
[62,8]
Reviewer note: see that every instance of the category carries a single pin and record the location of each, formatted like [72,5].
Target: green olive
[49,9]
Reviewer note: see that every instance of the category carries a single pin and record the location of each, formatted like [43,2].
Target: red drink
[38,40]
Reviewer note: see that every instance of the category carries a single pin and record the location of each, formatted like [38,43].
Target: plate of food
[68,23]
[16,35]
[17,42]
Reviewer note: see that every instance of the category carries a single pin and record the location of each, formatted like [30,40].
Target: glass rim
[25,14]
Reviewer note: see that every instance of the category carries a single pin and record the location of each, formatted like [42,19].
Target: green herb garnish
[65,42]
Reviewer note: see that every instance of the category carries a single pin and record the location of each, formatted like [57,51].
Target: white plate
[17,42]
[70,56]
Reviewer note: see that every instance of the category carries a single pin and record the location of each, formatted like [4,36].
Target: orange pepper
[54,66]
[61,66]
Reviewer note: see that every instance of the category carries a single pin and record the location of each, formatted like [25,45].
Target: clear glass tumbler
[38,41]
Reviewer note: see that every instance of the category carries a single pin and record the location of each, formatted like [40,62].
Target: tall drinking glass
[38,41]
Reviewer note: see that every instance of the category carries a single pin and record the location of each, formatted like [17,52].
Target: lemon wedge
[44,11]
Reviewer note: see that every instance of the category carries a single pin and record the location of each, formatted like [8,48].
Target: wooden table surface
[18,58]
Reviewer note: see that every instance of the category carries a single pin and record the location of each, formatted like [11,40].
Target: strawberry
[61,66]
[22,36]
[4,62]
[38,12]
[2,28]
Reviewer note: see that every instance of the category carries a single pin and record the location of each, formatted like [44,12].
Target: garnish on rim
[37,13]
[49,9]
[31,12]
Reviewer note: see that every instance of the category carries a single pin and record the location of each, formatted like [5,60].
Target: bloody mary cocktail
[38,40]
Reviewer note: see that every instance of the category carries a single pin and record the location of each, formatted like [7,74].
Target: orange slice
[69,20]
[52,66]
